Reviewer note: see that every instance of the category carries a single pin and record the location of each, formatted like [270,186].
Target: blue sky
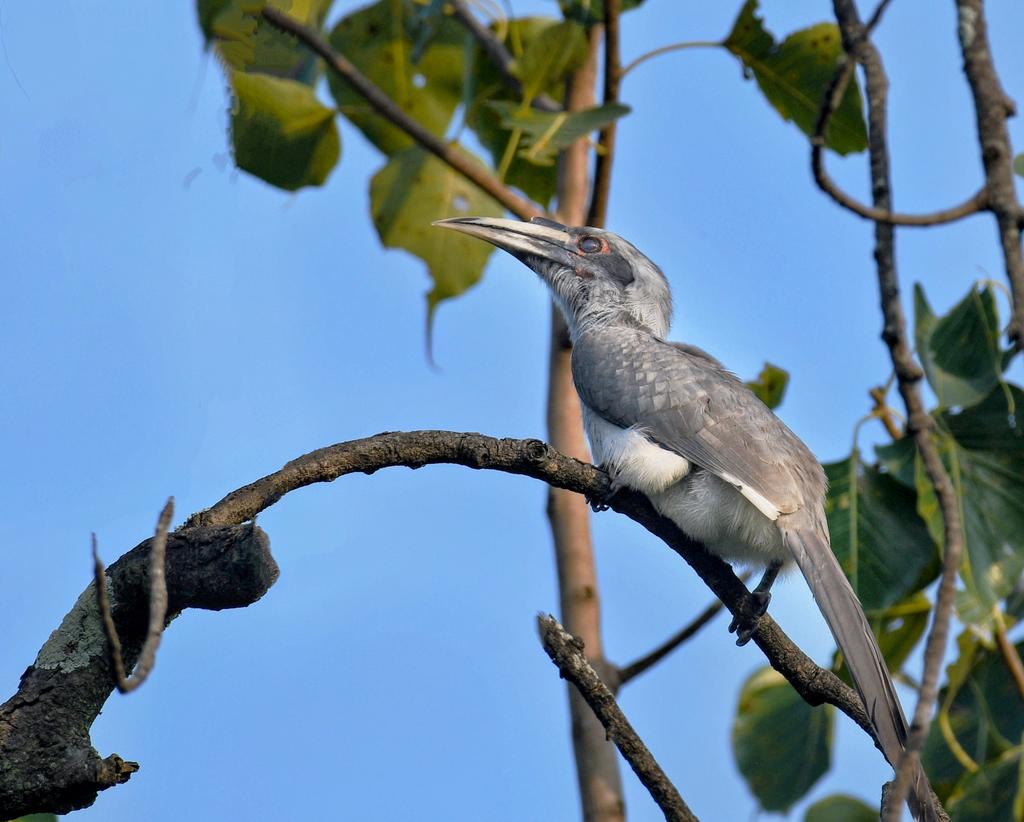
[172,326]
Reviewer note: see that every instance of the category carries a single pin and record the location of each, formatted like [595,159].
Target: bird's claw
[600,503]
[744,625]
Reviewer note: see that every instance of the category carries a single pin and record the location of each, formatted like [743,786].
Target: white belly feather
[630,458]
[718,513]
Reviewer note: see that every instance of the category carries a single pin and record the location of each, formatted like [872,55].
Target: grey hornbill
[668,420]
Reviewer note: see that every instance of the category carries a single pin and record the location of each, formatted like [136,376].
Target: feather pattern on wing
[686,401]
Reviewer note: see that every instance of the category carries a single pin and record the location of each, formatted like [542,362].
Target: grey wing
[687,402]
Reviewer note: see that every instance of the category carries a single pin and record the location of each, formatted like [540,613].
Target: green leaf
[589,12]
[795,74]
[1018,164]
[549,57]
[983,451]
[782,745]
[770,385]
[379,40]
[281,133]
[989,793]
[486,85]
[960,350]
[901,627]
[884,547]
[897,460]
[407,195]
[546,133]
[247,43]
[840,808]
[37,817]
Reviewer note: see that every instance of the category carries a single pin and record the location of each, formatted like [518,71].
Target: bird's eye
[590,245]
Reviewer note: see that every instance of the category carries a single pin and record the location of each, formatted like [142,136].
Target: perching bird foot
[599,504]
[744,626]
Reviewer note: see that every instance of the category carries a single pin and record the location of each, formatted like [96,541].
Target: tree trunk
[597,766]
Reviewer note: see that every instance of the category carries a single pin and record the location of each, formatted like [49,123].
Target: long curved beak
[539,238]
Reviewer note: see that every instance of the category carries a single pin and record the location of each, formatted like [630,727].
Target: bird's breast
[630,457]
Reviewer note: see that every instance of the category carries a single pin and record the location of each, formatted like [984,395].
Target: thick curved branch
[566,651]
[533,458]
[498,55]
[992,107]
[47,762]
[908,375]
[833,97]
[450,153]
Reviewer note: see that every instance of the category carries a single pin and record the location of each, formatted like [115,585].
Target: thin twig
[498,55]
[157,606]
[686,633]
[450,153]
[598,212]
[830,102]
[639,666]
[908,375]
[566,651]
[884,413]
[1009,652]
[992,107]
[650,55]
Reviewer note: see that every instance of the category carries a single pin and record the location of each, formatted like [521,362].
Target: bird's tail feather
[856,640]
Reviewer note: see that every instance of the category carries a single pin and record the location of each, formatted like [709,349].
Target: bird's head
[595,276]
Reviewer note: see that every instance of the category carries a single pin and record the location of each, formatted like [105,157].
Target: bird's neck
[612,317]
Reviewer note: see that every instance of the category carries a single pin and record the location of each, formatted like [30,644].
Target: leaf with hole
[896,459]
[379,40]
[545,133]
[407,195]
[795,74]
[281,133]
[770,385]
[882,544]
[781,744]
[960,350]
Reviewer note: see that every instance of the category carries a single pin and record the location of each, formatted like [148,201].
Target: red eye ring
[590,245]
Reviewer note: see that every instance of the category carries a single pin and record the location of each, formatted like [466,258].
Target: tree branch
[598,212]
[450,153]
[566,651]
[992,108]
[214,562]
[833,97]
[157,606]
[908,375]
[47,762]
[687,632]
[498,55]
[536,459]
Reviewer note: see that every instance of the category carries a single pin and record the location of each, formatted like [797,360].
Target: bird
[669,421]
